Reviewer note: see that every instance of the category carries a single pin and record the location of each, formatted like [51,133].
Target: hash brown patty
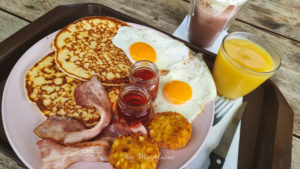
[170,130]
[134,151]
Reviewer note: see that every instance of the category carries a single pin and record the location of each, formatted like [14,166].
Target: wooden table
[276,21]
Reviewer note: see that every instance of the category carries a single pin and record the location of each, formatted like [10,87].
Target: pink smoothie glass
[208,18]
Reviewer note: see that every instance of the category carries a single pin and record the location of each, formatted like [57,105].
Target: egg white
[175,57]
[168,51]
[195,73]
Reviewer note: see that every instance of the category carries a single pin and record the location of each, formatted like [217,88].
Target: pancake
[52,91]
[84,48]
[113,94]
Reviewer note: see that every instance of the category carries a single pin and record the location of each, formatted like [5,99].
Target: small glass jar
[134,104]
[146,73]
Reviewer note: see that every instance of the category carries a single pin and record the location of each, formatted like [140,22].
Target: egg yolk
[177,92]
[142,51]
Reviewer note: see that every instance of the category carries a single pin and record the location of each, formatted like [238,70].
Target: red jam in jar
[146,73]
[134,104]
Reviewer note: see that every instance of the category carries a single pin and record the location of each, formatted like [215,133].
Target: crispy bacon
[120,129]
[56,156]
[90,93]
[62,126]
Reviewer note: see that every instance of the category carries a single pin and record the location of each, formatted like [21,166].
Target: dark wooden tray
[267,124]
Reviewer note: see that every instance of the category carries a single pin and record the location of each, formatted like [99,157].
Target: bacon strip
[90,93]
[55,156]
[62,125]
[120,129]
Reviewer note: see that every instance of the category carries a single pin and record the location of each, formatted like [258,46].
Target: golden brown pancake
[53,92]
[113,94]
[84,48]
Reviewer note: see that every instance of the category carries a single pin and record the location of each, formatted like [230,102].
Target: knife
[218,155]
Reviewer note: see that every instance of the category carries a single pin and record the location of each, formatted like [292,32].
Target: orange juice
[241,66]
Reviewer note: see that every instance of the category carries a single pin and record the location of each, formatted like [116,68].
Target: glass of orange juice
[244,61]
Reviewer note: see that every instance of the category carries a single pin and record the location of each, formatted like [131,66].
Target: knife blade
[218,155]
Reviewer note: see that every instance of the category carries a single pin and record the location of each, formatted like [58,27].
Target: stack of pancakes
[82,49]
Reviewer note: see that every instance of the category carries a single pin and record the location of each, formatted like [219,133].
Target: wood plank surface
[273,15]
[9,24]
[147,11]
[282,17]
[8,163]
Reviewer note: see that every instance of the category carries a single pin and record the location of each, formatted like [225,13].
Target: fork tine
[228,108]
[222,106]
[225,110]
[221,115]
[217,101]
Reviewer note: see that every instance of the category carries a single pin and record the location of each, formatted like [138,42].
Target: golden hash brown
[170,130]
[134,151]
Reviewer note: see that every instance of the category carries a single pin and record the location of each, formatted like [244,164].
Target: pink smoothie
[206,23]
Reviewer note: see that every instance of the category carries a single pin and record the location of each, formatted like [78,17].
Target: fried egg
[188,85]
[185,89]
[148,44]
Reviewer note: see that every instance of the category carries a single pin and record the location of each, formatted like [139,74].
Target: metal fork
[222,106]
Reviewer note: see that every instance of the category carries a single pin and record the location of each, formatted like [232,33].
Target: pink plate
[20,117]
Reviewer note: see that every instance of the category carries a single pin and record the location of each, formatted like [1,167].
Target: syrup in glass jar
[134,104]
[146,73]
